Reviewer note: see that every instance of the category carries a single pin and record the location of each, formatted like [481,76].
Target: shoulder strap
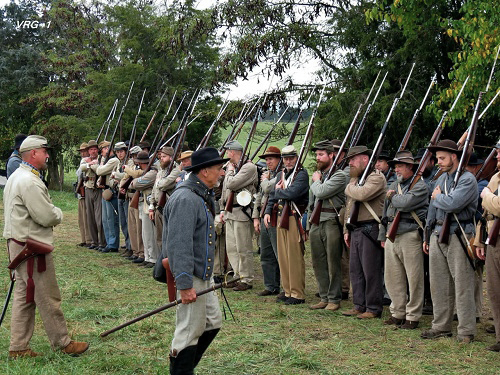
[412,213]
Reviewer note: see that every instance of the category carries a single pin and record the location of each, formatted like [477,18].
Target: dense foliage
[61,78]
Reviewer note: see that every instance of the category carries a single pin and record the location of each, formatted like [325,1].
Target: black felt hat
[18,140]
[204,158]
[445,145]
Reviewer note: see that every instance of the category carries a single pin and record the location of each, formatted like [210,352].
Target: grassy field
[101,291]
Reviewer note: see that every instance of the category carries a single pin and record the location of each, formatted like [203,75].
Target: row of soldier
[344,257]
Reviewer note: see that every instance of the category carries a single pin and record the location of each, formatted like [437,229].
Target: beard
[164,165]
[355,171]
[321,166]
[399,178]
[44,166]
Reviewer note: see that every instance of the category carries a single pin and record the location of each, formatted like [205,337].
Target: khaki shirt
[372,192]
[28,209]
[106,169]
[491,205]
[88,172]
[245,179]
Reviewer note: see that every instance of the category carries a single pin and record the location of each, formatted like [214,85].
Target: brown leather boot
[76,348]
[14,354]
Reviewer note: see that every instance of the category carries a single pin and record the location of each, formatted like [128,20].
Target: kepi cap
[234,145]
[167,150]
[33,142]
[288,151]
[120,146]
[135,150]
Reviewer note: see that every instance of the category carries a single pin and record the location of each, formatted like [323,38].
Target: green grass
[101,291]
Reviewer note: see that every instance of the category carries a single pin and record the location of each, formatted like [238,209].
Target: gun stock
[134,202]
[493,235]
[316,213]
[285,216]
[352,221]
[393,229]
[230,202]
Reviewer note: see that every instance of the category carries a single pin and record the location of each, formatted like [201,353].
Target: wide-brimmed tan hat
[358,150]
[83,146]
[103,144]
[185,155]
[271,151]
[405,157]
[92,143]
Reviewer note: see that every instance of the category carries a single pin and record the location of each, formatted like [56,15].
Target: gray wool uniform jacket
[189,232]
[462,201]
[417,199]
[297,191]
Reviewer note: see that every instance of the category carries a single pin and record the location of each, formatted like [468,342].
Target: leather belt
[409,221]
[331,210]
[463,222]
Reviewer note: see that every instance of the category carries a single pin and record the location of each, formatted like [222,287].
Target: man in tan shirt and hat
[30,214]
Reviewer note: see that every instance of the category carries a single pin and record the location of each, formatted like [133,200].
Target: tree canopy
[61,78]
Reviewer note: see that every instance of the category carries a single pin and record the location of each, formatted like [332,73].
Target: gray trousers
[93,205]
[326,256]
[195,318]
[404,260]
[365,268]
[269,257]
[452,281]
[492,283]
[122,216]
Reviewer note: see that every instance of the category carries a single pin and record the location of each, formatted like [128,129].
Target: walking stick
[167,306]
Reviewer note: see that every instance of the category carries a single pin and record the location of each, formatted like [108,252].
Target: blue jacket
[189,232]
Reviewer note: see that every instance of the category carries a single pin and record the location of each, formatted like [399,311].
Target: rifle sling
[412,213]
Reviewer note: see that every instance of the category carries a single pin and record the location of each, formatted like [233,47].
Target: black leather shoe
[138,260]
[281,297]
[267,292]
[345,296]
[149,265]
[294,301]
[127,254]
[93,247]
[112,250]
[100,248]
[105,250]
[132,257]
[142,264]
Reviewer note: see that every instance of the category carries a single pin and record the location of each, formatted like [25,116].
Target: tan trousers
[404,260]
[291,260]
[239,248]
[82,222]
[48,300]
[135,231]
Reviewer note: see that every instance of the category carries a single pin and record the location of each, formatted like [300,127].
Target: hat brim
[367,153]
[206,164]
[392,163]
[434,149]
[478,162]
[270,154]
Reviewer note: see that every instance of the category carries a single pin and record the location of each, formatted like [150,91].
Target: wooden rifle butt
[134,202]
[316,213]
[353,217]
[444,235]
[163,199]
[493,235]
[263,208]
[230,202]
[393,229]
[285,216]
